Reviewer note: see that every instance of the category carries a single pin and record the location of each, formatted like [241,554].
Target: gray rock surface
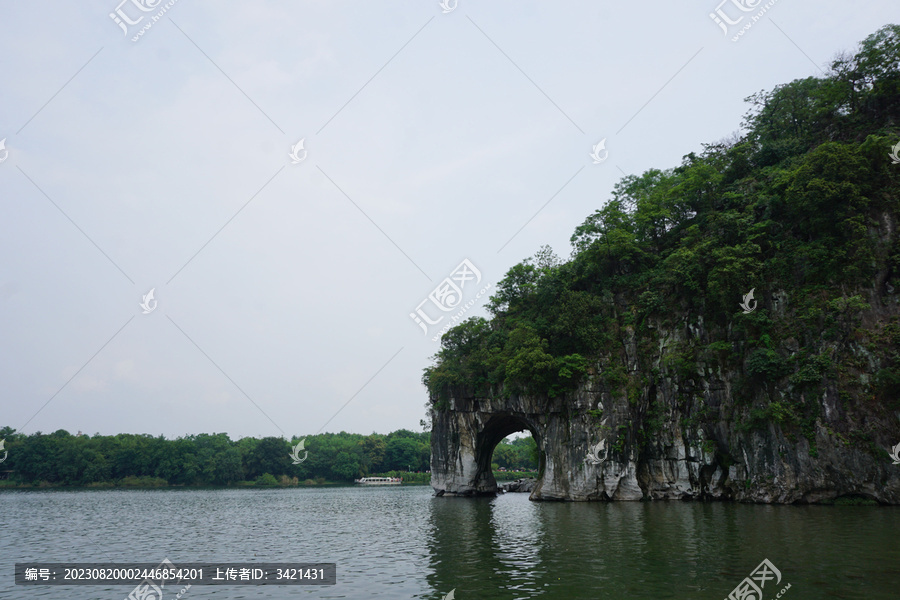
[525,484]
[666,445]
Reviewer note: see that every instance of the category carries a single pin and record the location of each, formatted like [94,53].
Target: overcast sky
[283,287]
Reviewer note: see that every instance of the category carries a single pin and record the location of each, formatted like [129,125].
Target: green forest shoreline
[152,483]
[141,461]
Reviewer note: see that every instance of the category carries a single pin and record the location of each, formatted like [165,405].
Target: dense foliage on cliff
[60,458]
[802,206]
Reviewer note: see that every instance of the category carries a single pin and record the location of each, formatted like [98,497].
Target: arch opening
[515,454]
[495,431]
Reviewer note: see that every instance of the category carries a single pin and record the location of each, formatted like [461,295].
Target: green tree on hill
[803,199]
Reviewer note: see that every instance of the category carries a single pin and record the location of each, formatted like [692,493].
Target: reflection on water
[402,543]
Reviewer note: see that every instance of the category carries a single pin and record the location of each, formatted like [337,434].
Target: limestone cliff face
[677,436]
[663,388]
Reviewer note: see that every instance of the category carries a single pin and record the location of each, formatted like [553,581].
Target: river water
[399,543]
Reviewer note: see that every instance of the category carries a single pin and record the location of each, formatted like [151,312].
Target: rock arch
[596,446]
[463,440]
[466,430]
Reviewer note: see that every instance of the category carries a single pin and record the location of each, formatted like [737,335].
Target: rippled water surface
[403,543]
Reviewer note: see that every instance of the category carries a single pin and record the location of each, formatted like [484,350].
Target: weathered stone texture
[716,460]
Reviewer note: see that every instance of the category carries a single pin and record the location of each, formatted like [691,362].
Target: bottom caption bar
[166,573]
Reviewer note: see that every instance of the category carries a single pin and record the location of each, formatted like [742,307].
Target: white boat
[379,481]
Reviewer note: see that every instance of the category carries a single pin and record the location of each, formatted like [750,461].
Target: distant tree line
[517,455]
[207,459]
[60,458]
